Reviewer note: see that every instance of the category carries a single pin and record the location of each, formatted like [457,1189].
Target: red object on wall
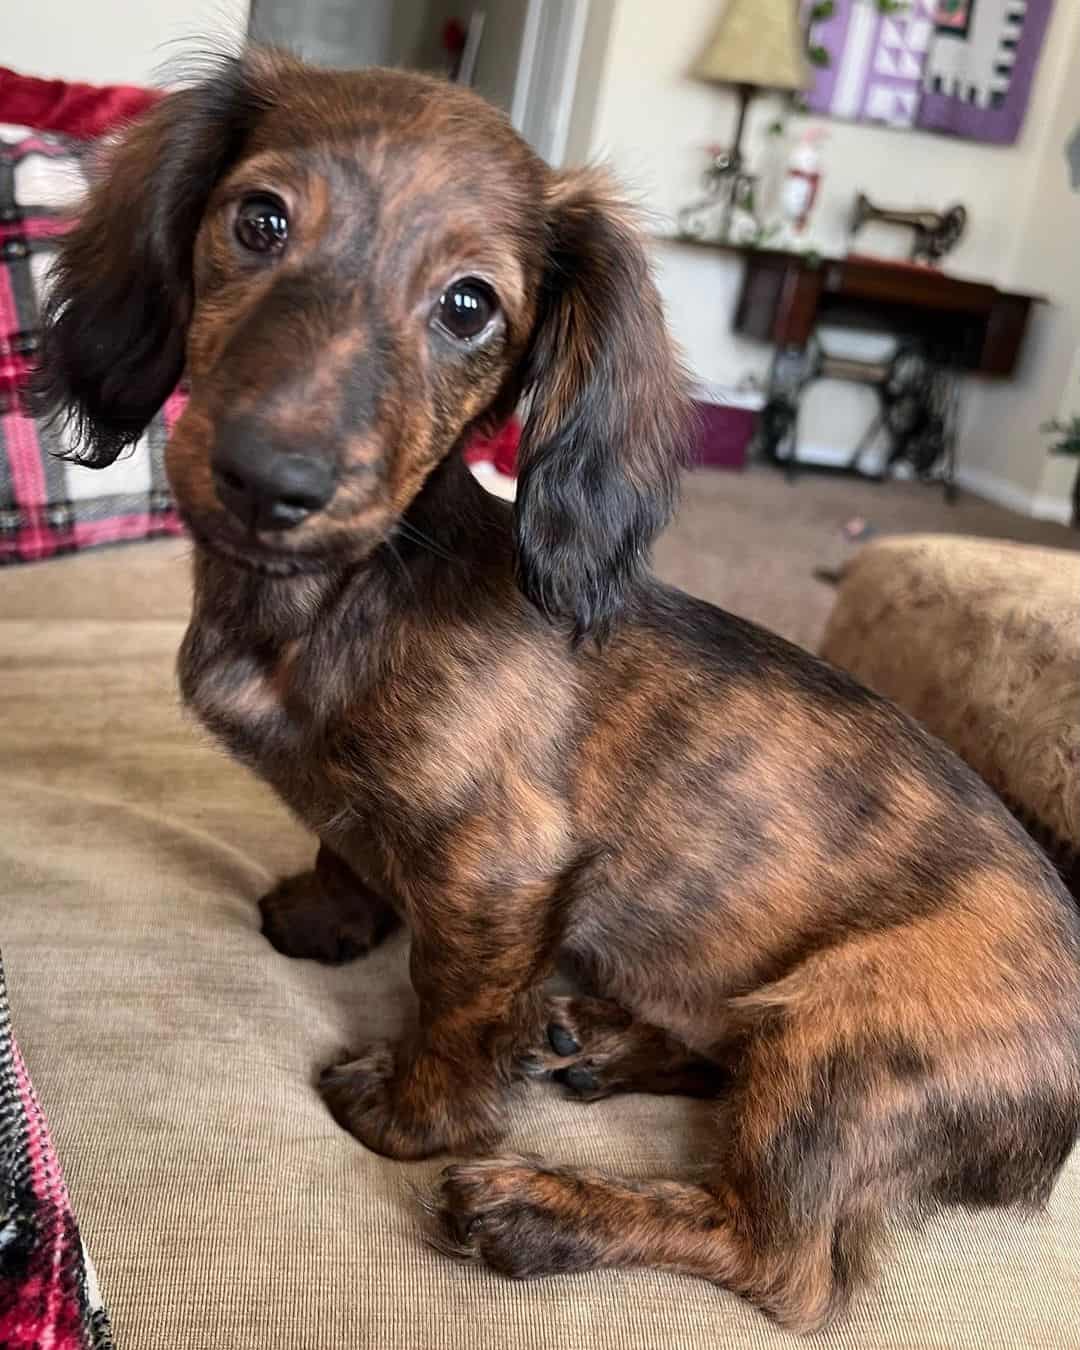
[453,36]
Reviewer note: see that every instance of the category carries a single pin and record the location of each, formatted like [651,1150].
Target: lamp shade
[756,42]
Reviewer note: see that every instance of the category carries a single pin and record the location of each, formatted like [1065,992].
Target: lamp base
[728,185]
[745,93]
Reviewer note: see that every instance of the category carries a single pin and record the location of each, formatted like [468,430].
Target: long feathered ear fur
[608,420]
[119,303]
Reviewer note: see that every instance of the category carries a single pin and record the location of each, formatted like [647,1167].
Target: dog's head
[354,271]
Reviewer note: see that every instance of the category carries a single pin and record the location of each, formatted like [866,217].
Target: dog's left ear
[607,425]
[115,322]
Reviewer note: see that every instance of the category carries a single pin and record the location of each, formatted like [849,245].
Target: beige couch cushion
[980,640]
[174,1050]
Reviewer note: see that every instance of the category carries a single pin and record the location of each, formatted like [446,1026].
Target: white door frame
[547,74]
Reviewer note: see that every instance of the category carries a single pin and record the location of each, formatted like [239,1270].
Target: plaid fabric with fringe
[47,505]
[48,1294]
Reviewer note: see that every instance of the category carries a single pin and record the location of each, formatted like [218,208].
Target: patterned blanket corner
[48,1294]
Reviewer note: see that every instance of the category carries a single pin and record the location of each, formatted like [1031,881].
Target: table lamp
[757,45]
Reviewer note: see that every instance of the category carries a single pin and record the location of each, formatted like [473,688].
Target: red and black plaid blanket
[47,505]
[48,1295]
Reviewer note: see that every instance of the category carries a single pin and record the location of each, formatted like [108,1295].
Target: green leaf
[824,9]
[1069,431]
[818,55]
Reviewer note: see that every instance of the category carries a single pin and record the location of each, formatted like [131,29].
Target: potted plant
[1067,442]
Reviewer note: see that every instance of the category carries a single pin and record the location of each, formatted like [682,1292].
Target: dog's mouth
[256,554]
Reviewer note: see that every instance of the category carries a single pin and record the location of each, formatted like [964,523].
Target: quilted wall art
[964,67]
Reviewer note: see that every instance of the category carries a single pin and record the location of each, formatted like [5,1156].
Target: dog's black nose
[267,488]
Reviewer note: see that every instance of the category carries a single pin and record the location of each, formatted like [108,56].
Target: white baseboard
[1045,507]
[1040,505]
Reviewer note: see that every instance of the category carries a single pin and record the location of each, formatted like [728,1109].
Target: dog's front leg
[478,971]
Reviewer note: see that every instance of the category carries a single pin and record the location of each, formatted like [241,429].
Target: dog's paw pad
[562,1041]
[579,1079]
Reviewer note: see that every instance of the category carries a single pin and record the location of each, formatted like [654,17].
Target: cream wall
[1044,255]
[336,33]
[409,31]
[651,121]
[500,49]
[103,41]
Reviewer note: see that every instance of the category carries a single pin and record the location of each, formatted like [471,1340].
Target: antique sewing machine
[936,233]
[944,326]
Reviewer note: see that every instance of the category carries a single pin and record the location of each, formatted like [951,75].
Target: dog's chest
[250,697]
[329,744]
[375,756]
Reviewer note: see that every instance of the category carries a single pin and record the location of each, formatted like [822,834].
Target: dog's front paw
[300,919]
[428,1108]
[359,1097]
[512,1213]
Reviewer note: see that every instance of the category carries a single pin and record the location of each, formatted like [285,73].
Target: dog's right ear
[115,321]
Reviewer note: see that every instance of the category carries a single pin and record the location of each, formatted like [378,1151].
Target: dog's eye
[262,223]
[466,308]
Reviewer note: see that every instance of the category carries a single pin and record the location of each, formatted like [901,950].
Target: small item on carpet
[48,1294]
[857,530]
[726,419]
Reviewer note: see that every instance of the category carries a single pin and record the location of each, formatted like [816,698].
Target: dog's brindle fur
[509,736]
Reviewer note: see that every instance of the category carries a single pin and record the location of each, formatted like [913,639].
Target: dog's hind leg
[594,1048]
[525,1219]
[327,914]
[815,1140]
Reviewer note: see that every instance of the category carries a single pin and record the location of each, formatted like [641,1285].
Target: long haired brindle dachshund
[774,888]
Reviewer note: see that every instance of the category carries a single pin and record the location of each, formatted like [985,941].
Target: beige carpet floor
[751,541]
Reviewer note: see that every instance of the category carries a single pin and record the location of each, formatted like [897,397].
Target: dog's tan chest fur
[238,703]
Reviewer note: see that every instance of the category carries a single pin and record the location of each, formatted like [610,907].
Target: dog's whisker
[422,540]
[424,1198]
[401,565]
[445,1247]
